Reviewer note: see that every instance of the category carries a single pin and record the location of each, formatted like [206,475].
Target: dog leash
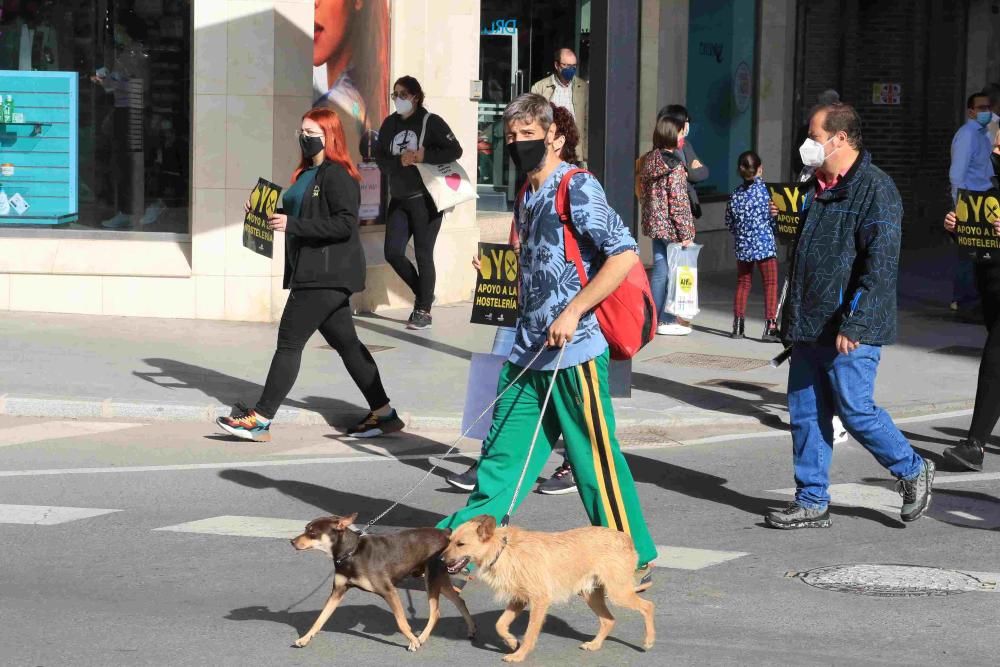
[459,439]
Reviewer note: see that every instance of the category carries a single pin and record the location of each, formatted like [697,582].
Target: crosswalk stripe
[43,515]
[19,435]
[683,558]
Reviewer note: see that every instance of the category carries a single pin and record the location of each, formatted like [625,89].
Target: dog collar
[497,557]
[340,560]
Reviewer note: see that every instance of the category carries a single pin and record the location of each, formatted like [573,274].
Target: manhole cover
[891,581]
[961,351]
[371,348]
[696,360]
[738,385]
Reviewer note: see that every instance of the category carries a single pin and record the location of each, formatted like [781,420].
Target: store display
[6,169]
[18,204]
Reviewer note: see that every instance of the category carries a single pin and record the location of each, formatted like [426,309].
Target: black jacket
[322,244]
[846,261]
[398,134]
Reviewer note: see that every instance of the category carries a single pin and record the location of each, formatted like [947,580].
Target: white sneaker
[672,329]
[839,432]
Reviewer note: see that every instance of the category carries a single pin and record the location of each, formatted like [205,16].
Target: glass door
[502,81]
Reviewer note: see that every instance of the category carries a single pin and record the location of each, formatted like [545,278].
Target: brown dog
[376,563]
[539,569]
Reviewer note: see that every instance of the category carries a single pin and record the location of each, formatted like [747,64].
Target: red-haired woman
[324,265]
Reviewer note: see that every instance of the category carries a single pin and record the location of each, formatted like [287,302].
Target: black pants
[329,311]
[416,217]
[987,409]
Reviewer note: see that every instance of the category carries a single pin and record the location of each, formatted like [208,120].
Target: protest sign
[257,236]
[788,198]
[976,212]
[495,300]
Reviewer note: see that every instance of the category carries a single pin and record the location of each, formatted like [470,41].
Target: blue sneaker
[246,424]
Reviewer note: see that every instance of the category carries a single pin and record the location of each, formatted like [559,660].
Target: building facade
[144,124]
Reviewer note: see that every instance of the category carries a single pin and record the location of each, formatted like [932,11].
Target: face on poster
[351,65]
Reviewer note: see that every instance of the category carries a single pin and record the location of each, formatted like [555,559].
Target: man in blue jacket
[841,310]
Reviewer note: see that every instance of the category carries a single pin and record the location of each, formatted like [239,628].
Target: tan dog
[539,569]
[376,563]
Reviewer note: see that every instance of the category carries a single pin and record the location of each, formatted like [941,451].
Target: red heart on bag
[453,181]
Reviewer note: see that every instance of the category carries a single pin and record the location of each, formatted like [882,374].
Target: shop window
[102,90]
[721,81]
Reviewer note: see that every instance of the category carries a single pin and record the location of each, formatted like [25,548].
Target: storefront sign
[501,27]
[371,192]
[788,199]
[257,236]
[495,300]
[976,212]
[887,94]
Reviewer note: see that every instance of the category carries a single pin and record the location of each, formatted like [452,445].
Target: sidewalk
[83,367]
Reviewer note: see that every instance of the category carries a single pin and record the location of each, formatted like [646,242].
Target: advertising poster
[976,212]
[351,74]
[788,199]
[495,300]
[257,236]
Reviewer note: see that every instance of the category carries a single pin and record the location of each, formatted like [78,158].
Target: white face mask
[811,152]
[403,107]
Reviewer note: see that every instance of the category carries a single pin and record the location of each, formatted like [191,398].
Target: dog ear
[344,522]
[487,526]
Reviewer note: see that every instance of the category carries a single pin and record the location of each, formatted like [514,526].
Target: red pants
[744,280]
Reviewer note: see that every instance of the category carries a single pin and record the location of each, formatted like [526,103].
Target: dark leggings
[329,311]
[416,217]
[987,409]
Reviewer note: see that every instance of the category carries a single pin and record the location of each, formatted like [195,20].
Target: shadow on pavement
[957,434]
[332,501]
[228,390]
[365,322]
[704,486]
[375,622]
[707,399]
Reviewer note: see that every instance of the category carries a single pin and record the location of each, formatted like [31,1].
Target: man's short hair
[558,55]
[828,96]
[970,102]
[528,108]
[844,118]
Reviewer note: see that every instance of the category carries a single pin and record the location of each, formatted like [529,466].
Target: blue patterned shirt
[748,217]
[548,281]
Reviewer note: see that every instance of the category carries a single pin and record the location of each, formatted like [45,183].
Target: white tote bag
[448,184]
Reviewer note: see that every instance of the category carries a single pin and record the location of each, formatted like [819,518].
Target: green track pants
[580,411]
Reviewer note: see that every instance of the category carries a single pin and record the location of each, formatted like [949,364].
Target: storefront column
[614,109]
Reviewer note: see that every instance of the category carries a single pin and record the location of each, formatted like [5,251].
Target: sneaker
[673,329]
[560,483]
[374,426]
[968,454]
[797,516]
[953,306]
[419,320]
[916,493]
[466,481]
[643,578]
[119,221]
[839,432]
[246,424]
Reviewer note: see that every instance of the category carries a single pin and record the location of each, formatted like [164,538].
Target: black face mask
[310,146]
[527,155]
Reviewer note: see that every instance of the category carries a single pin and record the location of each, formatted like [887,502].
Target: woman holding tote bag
[412,212]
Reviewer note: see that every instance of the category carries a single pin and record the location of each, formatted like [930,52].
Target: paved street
[127,543]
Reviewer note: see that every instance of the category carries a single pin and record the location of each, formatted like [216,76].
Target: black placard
[787,197]
[495,300]
[257,236]
[976,211]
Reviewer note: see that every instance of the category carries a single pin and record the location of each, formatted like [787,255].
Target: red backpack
[628,315]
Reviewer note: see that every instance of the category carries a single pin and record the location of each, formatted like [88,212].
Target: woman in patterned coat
[748,217]
[666,213]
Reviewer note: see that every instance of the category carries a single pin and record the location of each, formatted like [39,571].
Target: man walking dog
[841,310]
[556,313]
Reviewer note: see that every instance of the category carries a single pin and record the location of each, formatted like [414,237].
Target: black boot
[968,454]
[737,328]
[771,334]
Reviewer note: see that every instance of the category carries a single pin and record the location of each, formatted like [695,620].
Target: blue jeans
[659,281]
[822,383]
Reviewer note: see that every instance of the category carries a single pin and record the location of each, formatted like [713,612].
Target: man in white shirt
[565,89]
